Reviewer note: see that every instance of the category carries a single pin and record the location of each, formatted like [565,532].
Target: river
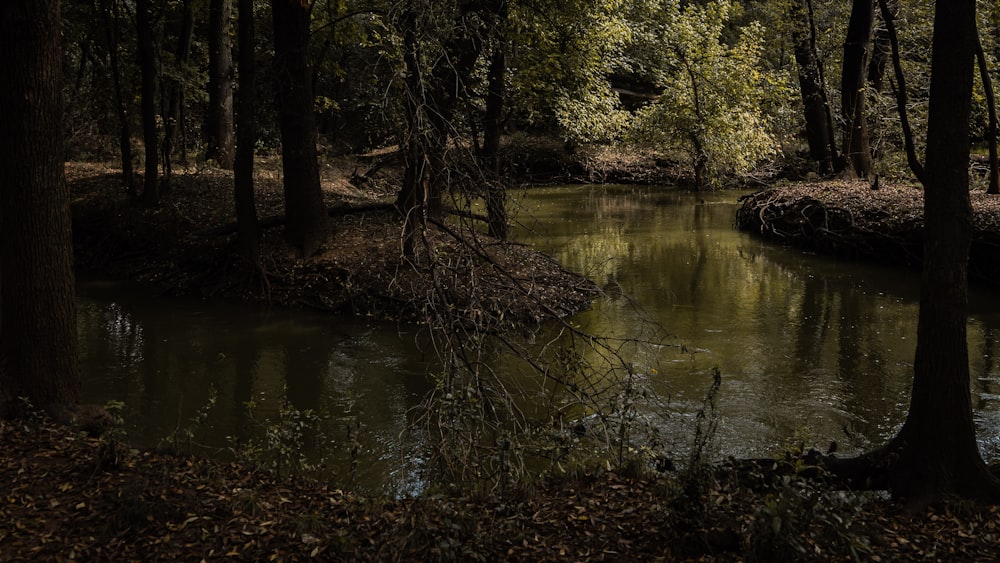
[807,346]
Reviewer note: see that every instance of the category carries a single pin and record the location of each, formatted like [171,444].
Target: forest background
[723,92]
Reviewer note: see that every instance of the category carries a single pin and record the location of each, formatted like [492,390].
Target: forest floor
[850,219]
[68,496]
[187,245]
[72,496]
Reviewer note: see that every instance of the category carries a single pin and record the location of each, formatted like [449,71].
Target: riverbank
[70,496]
[852,220]
[186,246]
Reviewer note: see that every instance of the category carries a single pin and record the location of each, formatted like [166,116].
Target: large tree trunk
[935,452]
[246,211]
[39,358]
[307,220]
[147,65]
[219,126]
[859,35]
[814,100]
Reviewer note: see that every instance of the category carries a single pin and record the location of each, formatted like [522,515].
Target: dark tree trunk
[859,35]
[307,220]
[814,101]
[246,211]
[900,91]
[39,358]
[935,452]
[173,125]
[219,133]
[430,110]
[881,47]
[993,187]
[496,191]
[109,15]
[147,66]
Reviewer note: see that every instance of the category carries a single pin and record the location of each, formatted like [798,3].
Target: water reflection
[805,343]
[166,359]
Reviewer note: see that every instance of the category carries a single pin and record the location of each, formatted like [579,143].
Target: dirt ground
[187,245]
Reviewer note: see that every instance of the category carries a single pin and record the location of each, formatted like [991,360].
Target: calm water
[806,345]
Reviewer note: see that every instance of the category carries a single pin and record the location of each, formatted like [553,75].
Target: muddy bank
[852,220]
[183,246]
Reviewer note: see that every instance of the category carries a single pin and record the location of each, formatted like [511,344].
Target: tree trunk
[881,47]
[935,452]
[39,357]
[219,134]
[173,125]
[496,192]
[813,90]
[147,65]
[109,15]
[246,211]
[993,187]
[430,109]
[900,91]
[859,35]
[307,220]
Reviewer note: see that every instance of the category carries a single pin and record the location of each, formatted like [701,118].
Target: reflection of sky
[806,345]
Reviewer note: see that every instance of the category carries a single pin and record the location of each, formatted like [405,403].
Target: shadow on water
[166,358]
[804,343]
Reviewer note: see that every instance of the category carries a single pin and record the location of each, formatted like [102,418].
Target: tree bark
[812,88]
[149,79]
[900,91]
[219,133]
[39,357]
[993,187]
[109,16]
[859,35]
[307,220]
[935,452]
[496,192]
[881,47]
[173,126]
[246,211]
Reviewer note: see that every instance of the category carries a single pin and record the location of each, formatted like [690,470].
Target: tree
[246,212]
[441,44]
[709,106]
[39,359]
[935,452]
[859,37]
[819,120]
[175,90]
[109,17]
[150,78]
[306,225]
[564,52]
[219,125]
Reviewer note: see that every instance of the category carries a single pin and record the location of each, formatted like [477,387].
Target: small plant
[185,435]
[280,446]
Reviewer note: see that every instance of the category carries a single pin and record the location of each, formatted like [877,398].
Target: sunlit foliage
[709,107]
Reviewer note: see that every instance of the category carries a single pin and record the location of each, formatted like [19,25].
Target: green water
[806,345]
